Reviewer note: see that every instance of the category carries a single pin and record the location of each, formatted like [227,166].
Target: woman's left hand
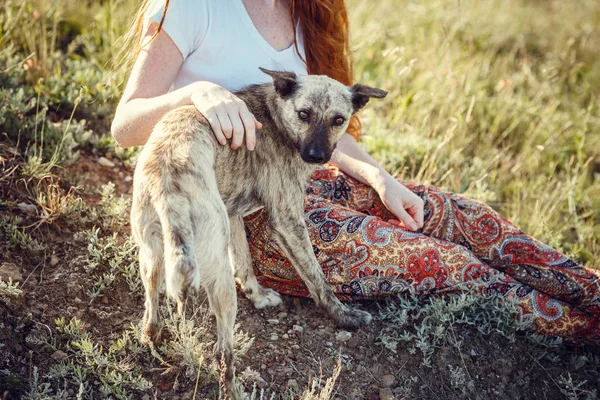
[401,202]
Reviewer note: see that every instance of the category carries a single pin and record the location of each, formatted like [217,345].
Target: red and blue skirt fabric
[464,245]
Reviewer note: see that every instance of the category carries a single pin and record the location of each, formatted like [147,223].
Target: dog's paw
[263,297]
[353,318]
[151,332]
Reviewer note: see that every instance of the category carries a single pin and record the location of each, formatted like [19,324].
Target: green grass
[498,100]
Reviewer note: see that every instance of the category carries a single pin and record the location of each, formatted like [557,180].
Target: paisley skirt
[464,245]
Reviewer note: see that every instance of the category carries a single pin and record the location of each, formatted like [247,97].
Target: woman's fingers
[405,217]
[397,223]
[225,121]
[416,211]
[249,126]
[213,120]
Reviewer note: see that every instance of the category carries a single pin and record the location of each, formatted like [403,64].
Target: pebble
[273,321]
[274,337]
[105,162]
[54,260]
[298,328]
[27,208]
[285,336]
[295,347]
[387,380]
[59,355]
[328,344]
[261,383]
[10,271]
[342,336]
[386,394]
[282,315]
[128,178]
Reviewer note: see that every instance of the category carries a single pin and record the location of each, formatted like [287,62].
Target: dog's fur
[190,194]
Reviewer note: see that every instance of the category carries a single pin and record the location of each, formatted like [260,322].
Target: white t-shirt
[221,44]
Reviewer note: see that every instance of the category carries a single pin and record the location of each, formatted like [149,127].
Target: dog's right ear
[285,82]
[362,93]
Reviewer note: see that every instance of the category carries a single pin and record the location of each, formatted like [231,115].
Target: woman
[374,235]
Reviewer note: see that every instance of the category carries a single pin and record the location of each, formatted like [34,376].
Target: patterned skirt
[464,245]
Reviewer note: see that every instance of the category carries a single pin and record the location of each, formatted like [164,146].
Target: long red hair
[324,25]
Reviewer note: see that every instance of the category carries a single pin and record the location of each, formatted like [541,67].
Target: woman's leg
[489,236]
[363,256]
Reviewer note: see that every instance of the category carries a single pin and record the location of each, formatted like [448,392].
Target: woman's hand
[403,203]
[227,114]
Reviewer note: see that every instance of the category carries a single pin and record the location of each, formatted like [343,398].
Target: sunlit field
[497,100]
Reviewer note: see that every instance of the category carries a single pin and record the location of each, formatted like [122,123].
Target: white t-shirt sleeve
[186,22]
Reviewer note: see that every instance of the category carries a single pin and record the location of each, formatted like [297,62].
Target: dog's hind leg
[217,279]
[239,254]
[147,232]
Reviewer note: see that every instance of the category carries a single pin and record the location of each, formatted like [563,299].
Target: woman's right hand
[227,114]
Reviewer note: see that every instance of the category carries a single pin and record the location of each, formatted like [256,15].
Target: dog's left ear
[362,93]
[285,82]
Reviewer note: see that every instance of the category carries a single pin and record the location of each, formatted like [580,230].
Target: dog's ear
[285,82]
[362,93]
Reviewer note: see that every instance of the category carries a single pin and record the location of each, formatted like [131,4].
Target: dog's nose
[316,155]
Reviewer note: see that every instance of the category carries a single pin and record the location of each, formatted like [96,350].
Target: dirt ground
[294,342]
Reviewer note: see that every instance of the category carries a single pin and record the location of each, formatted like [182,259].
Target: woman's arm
[353,160]
[147,99]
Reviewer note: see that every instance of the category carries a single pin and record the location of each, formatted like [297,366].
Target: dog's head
[316,110]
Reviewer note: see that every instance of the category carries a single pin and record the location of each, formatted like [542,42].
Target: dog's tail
[175,213]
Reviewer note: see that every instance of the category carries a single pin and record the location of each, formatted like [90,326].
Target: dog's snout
[316,155]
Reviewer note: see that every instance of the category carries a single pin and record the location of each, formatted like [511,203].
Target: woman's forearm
[135,119]
[353,160]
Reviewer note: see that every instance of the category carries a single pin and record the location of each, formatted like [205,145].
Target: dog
[190,193]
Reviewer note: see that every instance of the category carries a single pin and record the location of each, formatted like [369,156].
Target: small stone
[54,260]
[145,397]
[128,178]
[328,344]
[59,355]
[292,384]
[105,162]
[261,383]
[295,347]
[166,385]
[285,336]
[27,208]
[282,315]
[472,353]
[274,337]
[298,328]
[342,336]
[10,271]
[273,321]
[386,394]
[387,380]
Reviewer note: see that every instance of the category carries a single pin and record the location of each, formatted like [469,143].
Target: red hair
[324,25]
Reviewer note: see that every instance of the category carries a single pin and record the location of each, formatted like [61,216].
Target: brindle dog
[190,194]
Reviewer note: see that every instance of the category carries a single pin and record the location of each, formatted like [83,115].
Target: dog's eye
[339,121]
[303,115]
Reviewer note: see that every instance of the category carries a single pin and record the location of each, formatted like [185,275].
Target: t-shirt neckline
[239,4]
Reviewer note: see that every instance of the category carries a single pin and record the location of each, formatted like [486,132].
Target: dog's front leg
[291,233]
[239,254]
